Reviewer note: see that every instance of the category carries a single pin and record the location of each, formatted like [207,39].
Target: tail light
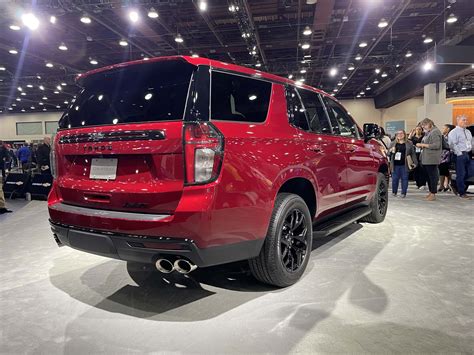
[204,152]
[53,159]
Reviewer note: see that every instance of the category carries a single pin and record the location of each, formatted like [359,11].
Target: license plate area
[103,169]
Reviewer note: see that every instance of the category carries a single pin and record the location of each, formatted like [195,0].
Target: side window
[340,118]
[296,111]
[317,118]
[236,98]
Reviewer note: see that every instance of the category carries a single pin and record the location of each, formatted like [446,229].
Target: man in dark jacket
[3,157]
[24,156]
[42,156]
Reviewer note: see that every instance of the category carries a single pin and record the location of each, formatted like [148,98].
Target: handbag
[411,164]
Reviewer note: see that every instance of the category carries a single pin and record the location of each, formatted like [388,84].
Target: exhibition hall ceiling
[350,48]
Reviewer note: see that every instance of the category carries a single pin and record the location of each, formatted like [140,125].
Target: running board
[339,222]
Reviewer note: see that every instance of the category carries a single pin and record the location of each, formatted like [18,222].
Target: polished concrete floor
[404,286]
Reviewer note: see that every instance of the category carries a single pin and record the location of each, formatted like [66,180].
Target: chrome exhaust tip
[183,266]
[164,265]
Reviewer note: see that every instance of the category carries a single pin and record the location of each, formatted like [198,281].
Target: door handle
[316,148]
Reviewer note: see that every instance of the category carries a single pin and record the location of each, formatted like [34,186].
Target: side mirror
[371,130]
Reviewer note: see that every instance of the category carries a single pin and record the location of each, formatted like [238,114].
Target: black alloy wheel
[293,240]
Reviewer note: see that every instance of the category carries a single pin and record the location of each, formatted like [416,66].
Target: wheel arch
[303,187]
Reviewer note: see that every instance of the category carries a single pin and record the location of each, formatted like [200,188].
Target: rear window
[237,98]
[137,93]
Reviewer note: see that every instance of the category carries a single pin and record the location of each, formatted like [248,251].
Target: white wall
[363,111]
[406,110]
[8,124]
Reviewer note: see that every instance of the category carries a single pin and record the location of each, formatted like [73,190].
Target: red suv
[177,162]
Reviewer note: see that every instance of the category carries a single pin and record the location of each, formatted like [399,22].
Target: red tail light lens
[204,152]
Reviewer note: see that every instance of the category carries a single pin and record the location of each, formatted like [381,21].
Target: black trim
[118,136]
[131,247]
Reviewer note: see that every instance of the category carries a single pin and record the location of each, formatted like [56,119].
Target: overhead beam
[252,25]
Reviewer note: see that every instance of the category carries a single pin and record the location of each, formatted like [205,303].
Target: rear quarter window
[237,98]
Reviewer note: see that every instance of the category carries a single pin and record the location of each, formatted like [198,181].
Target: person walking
[42,156]
[431,155]
[402,160]
[460,142]
[444,176]
[24,157]
[419,174]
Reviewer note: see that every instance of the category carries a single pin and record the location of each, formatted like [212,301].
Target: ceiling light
[202,5]
[335,90]
[427,66]
[59,87]
[15,27]
[455,91]
[19,88]
[451,19]
[472,66]
[123,43]
[52,19]
[63,84]
[344,77]
[358,57]
[290,76]
[339,84]
[44,98]
[66,102]
[254,52]
[29,86]
[93,62]
[302,79]
[58,106]
[152,13]
[302,71]
[463,87]
[30,21]
[62,47]
[179,39]
[233,8]
[428,40]
[32,107]
[40,103]
[49,65]
[146,58]
[23,94]
[13,51]
[383,23]
[368,88]
[56,92]
[377,71]
[258,65]
[148,96]
[362,44]
[362,93]
[408,54]
[13,105]
[397,66]
[333,72]
[134,16]
[252,97]
[38,77]
[18,99]
[10,108]
[307,56]
[376,81]
[85,19]
[22,110]
[44,109]
[3,68]
[307,31]
[351,67]
[245,35]
[305,46]
[384,75]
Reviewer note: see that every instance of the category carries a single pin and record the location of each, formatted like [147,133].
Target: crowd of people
[27,158]
[430,155]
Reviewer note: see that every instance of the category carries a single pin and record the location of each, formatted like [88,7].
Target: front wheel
[285,253]
[379,202]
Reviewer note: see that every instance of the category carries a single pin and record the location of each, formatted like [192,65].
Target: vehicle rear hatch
[120,144]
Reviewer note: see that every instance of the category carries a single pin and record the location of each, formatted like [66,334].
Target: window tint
[296,111]
[317,118]
[236,98]
[341,119]
[136,93]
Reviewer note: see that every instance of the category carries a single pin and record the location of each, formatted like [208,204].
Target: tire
[287,248]
[142,274]
[379,202]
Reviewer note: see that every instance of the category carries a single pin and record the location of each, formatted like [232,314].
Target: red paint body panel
[258,159]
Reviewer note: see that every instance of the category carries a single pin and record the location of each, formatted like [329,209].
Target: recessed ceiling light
[451,19]
[40,103]
[408,54]
[52,19]
[428,40]
[3,68]
[86,19]
[66,102]
[333,72]
[13,51]
[233,8]
[377,71]
[202,5]
[30,21]
[44,109]
[44,98]
[58,106]
[351,67]
[254,52]
[152,13]
[49,65]
[383,23]
[362,93]
[245,35]
[23,94]
[397,66]
[23,110]
[290,76]
[384,75]
[19,88]
[15,27]
[258,65]
[56,92]
[307,31]
[344,77]
[463,87]
[134,16]
[339,84]
[18,99]
[63,84]
[59,87]
[41,87]
[305,46]
[123,43]
[302,80]
[38,77]
[455,91]
[358,57]
[362,44]
[335,90]
[62,47]
[302,71]
[427,66]
[29,86]
[93,62]
[376,81]
[146,58]
[32,107]
[368,88]
[179,39]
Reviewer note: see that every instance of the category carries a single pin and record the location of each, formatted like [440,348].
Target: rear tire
[287,248]
[143,274]
[379,202]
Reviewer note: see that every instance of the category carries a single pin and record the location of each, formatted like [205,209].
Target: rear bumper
[147,249]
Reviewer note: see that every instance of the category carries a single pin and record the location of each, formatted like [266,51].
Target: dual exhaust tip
[182,266]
